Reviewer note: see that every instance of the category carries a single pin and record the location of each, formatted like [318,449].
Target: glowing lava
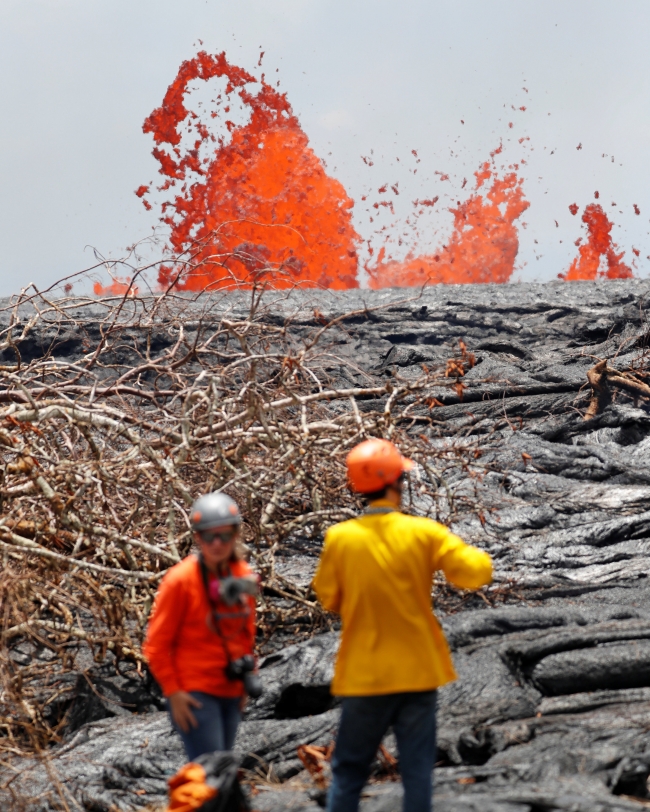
[116,288]
[482,248]
[262,207]
[599,244]
[257,206]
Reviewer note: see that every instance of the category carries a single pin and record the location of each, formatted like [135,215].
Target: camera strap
[216,621]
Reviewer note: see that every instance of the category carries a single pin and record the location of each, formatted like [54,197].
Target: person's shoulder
[423,524]
[342,530]
[241,568]
[186,570]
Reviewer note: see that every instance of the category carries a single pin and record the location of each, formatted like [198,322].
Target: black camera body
[244,669]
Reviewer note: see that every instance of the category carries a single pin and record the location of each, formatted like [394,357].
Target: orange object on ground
[184,651]
[188,789]
[374,464]
[314,758]
[208,784]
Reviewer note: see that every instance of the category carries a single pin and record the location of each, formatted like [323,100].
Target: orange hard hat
[374,464]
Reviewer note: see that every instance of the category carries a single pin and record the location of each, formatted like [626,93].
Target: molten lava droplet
[431,202]
[573,208]
[140,192]
[599,244]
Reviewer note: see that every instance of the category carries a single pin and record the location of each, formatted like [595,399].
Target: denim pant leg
[231,717]
[364,720]
[218,719]
[414,726]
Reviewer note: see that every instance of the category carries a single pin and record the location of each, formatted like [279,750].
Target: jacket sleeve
[164,627]
[325,583]
[464,566]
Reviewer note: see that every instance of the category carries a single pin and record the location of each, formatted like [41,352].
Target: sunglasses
[210,536]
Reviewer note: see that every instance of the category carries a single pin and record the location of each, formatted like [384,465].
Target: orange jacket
[184,651]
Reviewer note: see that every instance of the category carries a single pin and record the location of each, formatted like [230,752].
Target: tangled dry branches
[116,414]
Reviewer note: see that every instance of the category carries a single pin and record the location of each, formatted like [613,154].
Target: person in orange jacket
[376,572]
[201,633]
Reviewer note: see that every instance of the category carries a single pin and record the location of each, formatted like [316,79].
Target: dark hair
[240,550]
[372,497]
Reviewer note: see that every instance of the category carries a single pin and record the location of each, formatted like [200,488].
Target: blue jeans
[218,719]
[364,721]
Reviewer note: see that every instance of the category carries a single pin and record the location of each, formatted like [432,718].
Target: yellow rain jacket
[376,572]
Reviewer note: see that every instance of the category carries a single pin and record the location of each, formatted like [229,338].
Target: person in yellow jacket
[376,572]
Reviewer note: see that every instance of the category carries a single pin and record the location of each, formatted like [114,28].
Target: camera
[244,669]
[231,589]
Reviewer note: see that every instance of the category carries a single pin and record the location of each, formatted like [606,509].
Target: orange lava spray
[116,288]
[599,244]
[483,246]
[259,207]
[262,207]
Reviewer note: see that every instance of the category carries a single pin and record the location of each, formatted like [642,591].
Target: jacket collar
[379,506]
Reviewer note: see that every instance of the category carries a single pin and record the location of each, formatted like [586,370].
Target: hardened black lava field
[527,409]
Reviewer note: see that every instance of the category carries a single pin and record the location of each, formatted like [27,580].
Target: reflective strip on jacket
[376,572]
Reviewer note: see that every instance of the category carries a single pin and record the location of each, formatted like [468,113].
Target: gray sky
[80,76]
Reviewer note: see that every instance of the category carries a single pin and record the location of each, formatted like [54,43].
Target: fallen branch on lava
[604,378]
[117,413]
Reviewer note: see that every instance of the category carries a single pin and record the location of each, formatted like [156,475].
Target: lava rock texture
[551,710]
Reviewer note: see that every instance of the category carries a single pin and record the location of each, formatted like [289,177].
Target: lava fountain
[599,247]
[256,206]
[483,246]
[261,207]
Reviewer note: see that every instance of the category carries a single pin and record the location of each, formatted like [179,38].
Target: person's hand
[243,702]
[181,704]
